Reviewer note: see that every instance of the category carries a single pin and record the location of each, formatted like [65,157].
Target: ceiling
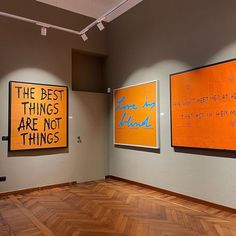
[92,8]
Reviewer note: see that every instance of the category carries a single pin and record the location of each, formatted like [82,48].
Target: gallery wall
[151,41]
[27,56]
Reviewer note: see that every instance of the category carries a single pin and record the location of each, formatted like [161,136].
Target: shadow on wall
[192,32]
[39,152]
[206,152]
[138,148]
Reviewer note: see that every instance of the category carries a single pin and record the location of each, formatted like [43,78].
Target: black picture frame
[171,118]
[10,113]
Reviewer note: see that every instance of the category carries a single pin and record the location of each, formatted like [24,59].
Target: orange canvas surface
[38,116]
[203,107]
[135,115]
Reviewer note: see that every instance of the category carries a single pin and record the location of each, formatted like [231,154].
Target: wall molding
[28,190]
[179,195]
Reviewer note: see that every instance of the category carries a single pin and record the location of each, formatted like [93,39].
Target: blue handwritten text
[121,106]
[147,104]
[130,123]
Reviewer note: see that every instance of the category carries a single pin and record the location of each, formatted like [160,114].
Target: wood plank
[110,208]
[178,195]
[35,221]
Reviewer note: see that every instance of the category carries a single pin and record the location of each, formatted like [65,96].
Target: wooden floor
[109,208]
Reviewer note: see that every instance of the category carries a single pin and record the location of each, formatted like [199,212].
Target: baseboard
[21,191]
[182,196]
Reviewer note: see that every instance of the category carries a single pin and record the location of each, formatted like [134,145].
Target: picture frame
[202,107]
[135,124]
[38,116]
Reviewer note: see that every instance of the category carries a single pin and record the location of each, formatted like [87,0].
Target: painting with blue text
[136,119]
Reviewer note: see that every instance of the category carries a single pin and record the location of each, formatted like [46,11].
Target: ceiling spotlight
[100,26]
[84,37]
[43,31]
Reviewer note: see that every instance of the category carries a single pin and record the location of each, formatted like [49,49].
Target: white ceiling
[92,8]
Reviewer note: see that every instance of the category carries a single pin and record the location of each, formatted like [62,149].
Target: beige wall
[151,41]
[27,56]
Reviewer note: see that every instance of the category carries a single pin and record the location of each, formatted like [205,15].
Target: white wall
[150,42]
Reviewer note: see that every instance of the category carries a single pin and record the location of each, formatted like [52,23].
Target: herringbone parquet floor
[109,208]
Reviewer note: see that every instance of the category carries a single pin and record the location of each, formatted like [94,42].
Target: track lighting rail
[82,33]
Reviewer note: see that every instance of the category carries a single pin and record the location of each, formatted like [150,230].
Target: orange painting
[203,107]
[38,116]
[135,112]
